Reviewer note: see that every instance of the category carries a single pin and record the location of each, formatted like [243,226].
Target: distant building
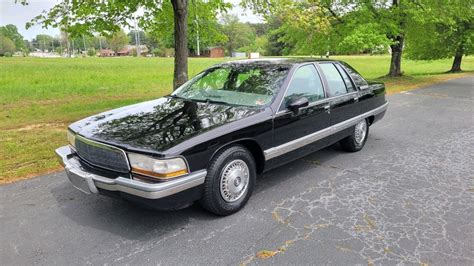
[214,52]
[239,54]
[254,55]
[124,52]
[106,53]
[130,50]
[41,54]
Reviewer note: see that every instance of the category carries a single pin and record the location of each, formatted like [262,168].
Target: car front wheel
[356,141]
[229,182]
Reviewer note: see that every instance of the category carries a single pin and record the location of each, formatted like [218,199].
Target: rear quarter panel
[372,96]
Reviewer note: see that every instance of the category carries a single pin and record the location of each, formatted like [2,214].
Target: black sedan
[209,139]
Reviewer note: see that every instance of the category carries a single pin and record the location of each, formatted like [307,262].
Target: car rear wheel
[229,182]
[356,141]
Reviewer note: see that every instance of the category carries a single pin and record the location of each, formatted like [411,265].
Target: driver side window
[304,83]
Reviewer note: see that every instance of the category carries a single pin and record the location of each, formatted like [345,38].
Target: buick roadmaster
[209,139]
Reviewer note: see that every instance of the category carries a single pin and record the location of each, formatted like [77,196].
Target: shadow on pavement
[135,222]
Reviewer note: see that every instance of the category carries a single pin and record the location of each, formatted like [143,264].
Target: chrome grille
[102,155]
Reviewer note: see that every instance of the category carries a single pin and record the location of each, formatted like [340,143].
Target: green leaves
[11,32]
[118,41]
[441,30]
[238,34]
[79,17]
[202,17]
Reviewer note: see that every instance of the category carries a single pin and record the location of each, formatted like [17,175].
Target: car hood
[158,125]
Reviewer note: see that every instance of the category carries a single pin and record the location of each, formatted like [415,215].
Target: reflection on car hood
[158,125]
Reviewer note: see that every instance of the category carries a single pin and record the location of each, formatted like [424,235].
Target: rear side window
[305,83]
[358,79]
[336,84]
[347,79]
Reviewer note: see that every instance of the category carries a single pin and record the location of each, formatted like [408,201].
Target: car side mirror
[296,104]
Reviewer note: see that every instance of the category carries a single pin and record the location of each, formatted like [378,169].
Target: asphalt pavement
[406,198]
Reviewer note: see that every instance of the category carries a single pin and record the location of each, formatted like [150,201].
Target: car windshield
[235,84]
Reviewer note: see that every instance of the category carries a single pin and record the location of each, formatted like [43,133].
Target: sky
[19,15]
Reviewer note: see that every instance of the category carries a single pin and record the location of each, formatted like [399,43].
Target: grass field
[39,97]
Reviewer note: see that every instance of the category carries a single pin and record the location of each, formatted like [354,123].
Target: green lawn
[40,97]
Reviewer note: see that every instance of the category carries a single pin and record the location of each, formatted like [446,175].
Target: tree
[392,16]
[141,35]
[118,41]
[100,42]
[324,24]
[11,32]
[276,45]
[43,42]
[7,46]
[238,34]
[106,17]
[442,31]
[202,25]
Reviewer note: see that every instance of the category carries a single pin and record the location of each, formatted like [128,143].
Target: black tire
[212,199]
[350,143]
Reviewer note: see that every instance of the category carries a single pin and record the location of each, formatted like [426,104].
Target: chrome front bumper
[88,182]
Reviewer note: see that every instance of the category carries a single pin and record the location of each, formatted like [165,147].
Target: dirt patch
[9,179]
[406,83]
[58,126]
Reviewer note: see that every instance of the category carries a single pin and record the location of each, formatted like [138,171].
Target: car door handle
[356,99]
[327,107]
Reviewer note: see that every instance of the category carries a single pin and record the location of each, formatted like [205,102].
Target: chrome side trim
[89,182]
[303,141]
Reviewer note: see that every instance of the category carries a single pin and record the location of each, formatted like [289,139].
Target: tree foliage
[318,26]
[11,32]
[143,38]
[44,39]
[275,38]
[7,46]
[117,41]
[202,18]
[238,34]
[442,31]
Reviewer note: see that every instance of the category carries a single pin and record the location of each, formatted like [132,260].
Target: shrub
[91,52]
[163,52]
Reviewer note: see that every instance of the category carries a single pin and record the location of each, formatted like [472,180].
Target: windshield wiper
[216,101]
[206,100]
[181,98]
[176,97]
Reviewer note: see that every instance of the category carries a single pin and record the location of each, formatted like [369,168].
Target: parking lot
[407,197]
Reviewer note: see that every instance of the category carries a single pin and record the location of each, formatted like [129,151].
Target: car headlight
[71,138]
[157,168]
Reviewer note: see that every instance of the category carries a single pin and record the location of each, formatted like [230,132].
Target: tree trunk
[396,60]
[180,10]
[456,67]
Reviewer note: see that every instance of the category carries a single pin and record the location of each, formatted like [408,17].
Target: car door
[343,96]
[292,131]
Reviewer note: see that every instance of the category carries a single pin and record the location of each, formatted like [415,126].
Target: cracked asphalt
[406,198]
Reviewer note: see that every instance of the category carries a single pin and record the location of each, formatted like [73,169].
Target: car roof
[278,61]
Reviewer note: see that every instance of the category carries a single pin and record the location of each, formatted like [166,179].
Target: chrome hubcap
[360,131]
[234,180]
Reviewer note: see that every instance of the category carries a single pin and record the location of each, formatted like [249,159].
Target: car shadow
[136,222]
